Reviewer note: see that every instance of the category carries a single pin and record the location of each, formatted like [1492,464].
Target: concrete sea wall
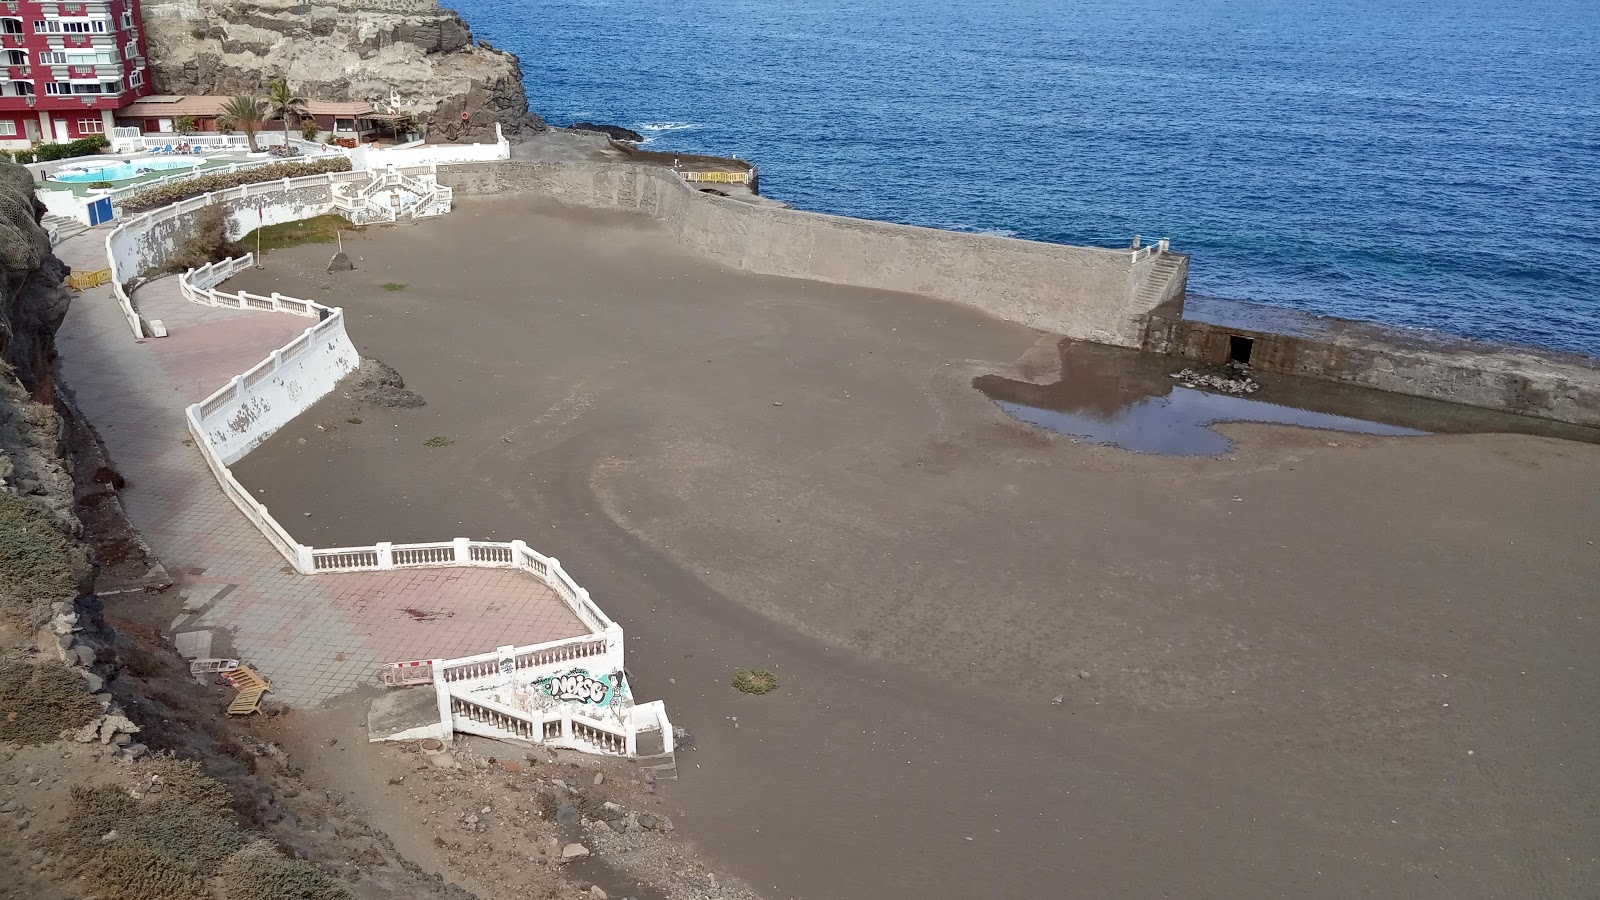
[1081,292]
[1563,387]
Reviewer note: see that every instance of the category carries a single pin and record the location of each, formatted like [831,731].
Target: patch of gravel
[376,383]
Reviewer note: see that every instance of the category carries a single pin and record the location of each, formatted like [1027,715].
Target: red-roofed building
[67,68]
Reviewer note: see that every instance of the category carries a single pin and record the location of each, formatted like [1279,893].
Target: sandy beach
[1321,665]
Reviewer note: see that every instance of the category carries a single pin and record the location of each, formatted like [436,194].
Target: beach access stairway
[60,228]
[1166,278]
[390,195]
[463,689]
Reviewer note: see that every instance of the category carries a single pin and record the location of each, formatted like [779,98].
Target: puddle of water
[1179,423]
[1129,400]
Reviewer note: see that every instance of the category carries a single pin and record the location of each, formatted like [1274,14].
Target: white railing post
[630,738]
[519,552]
[508,663]
[566,724]
[385,555]
[302,555]
[463,551]
[441,697]
[277,301]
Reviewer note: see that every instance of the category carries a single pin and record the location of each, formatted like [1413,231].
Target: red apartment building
[68,67]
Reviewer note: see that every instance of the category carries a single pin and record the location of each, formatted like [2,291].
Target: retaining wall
[1081,292]
[1559,386]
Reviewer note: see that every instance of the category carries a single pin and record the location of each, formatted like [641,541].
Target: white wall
[367,157]
[281,387]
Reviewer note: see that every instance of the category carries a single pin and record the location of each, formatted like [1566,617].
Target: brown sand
[1325,665]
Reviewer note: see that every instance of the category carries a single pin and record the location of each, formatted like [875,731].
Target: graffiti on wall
[578,686]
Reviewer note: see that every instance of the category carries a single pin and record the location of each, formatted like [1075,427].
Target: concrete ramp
[406,714]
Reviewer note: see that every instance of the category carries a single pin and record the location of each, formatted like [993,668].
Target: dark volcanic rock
[617,132]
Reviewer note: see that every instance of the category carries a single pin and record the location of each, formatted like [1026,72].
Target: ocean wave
[669,126]
[973,229]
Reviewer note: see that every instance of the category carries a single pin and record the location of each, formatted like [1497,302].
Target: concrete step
[664,766]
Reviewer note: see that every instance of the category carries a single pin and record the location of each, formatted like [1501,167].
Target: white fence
[369,157]
[236,417]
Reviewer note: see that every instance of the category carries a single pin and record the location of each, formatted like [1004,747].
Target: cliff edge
[404,55]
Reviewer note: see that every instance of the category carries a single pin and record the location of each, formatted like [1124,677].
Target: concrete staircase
[390,196]
[1168,266]
[61,228]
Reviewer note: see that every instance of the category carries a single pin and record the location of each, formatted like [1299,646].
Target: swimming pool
[119,170]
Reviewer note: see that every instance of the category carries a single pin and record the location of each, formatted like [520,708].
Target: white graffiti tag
[579,686]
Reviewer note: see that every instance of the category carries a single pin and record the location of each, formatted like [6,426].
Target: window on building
[16,57]
[111,87]
[136,79]
[91,126]
[127,20]
[8,129]
[11,26]
[58,87]
[40,26]
[52,58]
[70,26]
[344,124]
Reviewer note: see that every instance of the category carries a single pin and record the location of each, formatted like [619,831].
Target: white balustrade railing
[601,648]
[1149,250]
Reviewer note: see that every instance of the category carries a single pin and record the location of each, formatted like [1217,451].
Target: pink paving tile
[314,636]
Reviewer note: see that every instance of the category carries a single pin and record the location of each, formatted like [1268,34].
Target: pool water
[119,170]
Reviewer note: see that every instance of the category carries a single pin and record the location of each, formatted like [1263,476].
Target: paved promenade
[314,637]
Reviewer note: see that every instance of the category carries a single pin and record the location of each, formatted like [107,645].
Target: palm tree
[246,111]
[281,102]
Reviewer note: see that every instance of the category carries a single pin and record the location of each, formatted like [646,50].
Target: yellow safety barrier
[79,280]
[728,177]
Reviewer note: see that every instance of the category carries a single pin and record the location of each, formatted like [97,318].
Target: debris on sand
[1235,380]
[378,384]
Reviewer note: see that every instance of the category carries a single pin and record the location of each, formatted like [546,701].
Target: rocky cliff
[408,54]
[33,301]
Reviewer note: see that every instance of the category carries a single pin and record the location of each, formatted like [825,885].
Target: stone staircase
[1168,266]
[392,195]
[60,228]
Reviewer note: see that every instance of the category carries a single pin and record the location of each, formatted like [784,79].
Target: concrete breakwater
[1564,387]
[1117,297]
[1087,293]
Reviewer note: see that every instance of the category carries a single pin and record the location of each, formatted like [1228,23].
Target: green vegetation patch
[393,286]
[173,191]
[755,681]
[168,843]
[260,872]
[316,230]
[354,420]
[39,701]
[439,440]
[37,562]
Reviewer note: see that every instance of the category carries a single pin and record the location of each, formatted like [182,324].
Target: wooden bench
[250,686]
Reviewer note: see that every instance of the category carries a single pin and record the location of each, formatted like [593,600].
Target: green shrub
[37,562]
[309,129]
[207,242]
[174,191]
[23,157]
[88,146]
[755,681]
[130,871]
[161,847]
[186,125]
[260,872]
[181,779]
[38,702]
[101,185]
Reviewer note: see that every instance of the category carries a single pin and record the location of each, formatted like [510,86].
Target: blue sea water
[1428,164]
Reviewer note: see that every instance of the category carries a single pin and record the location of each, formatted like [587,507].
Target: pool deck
[43,171]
